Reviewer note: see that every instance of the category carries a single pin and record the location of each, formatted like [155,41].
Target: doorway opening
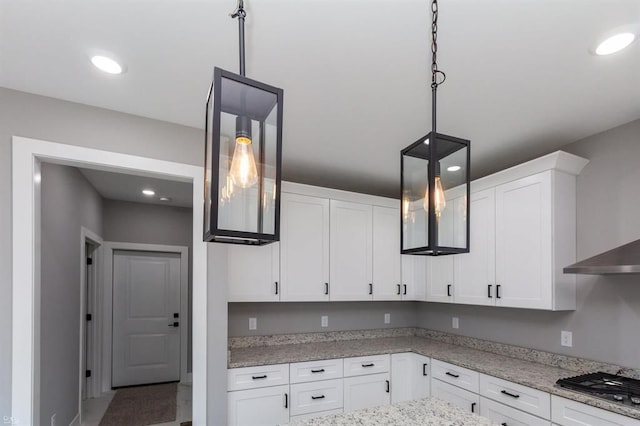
[27,157]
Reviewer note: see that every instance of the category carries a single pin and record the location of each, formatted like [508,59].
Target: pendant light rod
[240,13]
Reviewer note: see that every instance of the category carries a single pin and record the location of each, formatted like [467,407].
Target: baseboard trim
[75,421]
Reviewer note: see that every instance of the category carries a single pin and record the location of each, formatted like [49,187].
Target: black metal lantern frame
[238,99]
[243,156]
[421,225]
[435,208]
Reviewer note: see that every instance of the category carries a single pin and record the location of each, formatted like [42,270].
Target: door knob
[175,324]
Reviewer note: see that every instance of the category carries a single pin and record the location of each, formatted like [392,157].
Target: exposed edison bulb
[438,198]
[243,172]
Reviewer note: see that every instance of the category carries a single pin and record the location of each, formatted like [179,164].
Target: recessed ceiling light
[615,43]
[149,192]
[165,199]
[453,168]
[106,64]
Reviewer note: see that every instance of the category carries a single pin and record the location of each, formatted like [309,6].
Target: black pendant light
[243,156]
[435,182]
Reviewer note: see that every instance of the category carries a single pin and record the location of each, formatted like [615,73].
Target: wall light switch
[566,338]
[324,321]
[455,323]
[253,323]
[387,318]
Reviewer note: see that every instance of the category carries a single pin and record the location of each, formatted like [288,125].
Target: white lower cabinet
[315,415]
[457,396]
[367,391]
[410,376]
[565,412]
[262,406]
[521,397]
[508,416]
[317,396]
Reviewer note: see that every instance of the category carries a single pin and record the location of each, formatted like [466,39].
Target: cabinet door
[475,271]
[414,279]
[409,377]
[366,391]
[440,285]
[351,251]
[457,396]
[254,273]
[264,406]
[304,248]
[386,254]
[523,242]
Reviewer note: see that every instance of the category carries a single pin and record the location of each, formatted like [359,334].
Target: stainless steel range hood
[621,260]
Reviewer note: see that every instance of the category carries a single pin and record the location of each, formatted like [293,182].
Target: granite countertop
[428,411]
[533,374]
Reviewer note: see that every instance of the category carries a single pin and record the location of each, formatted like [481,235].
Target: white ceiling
[520,78]
[127,187]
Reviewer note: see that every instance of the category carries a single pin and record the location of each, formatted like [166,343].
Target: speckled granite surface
[538,375]
[428,412]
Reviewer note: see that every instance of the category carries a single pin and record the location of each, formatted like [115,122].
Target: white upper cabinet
[524,248]
[440,284]
[414,280]
[387,283]
[351,251]
[474,272]
[304,248]
[254,273]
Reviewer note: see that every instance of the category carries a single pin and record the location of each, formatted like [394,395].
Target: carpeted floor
[142,405]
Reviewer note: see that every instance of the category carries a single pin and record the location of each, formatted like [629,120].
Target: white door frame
[88,236]
[107,303]
[25,344]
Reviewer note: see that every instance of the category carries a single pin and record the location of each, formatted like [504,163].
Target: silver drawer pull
[320,370]
[318,397]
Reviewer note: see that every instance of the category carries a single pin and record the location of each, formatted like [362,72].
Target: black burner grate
[602,383]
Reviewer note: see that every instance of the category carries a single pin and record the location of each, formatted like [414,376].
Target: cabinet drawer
[316,396]
[572,413]
[459,397]
[503,414]
[521,397]
[301,372]
[257,377]
[366,365]
[458,376]
[315,415]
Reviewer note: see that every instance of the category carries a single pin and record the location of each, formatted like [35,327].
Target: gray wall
[68,202]
[282,318]
[22,114]
[127,222]
[605,324]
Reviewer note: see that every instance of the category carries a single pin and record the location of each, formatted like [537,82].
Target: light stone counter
[515,365]
[428,412]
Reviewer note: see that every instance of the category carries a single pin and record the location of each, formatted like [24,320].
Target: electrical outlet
[455,322]
[324,321]
[253,323]
[566,338]
[387,318]
[54,421]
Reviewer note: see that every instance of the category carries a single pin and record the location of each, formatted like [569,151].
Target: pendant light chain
[434,47]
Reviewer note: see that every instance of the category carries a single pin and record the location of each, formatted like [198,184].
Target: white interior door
[146,318]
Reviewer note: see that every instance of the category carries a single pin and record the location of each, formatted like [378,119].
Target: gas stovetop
[615,388]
